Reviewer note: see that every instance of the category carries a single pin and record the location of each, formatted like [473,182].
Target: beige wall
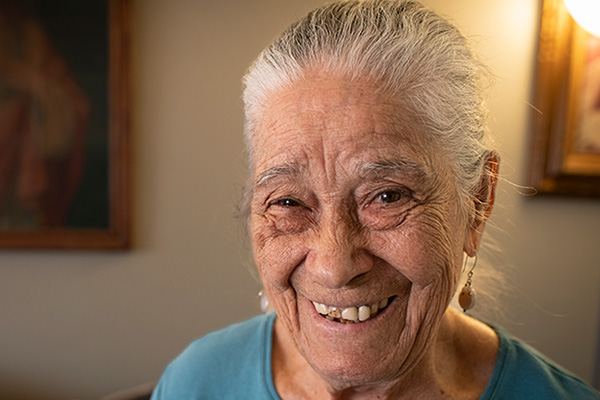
[81,324]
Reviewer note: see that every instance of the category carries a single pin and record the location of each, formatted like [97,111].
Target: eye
[285,202]
[387,207]
[389,197]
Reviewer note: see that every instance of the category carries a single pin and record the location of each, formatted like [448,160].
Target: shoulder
[523,373]
[222,364]
[225,346]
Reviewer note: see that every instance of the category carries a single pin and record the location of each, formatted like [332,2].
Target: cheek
[275,255]
[425,248]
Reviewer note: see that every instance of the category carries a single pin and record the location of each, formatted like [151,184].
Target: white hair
[411,52]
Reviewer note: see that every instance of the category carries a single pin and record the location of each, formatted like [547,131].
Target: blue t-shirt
[235,363]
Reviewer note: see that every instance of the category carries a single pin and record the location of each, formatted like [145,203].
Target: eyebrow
[397,166]
[288,169]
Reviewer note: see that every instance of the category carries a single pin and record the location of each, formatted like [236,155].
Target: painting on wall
[64,121]
[565,151]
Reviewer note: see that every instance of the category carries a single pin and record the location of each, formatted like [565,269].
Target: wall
[82,324]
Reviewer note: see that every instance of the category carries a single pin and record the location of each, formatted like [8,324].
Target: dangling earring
[263,299]
[467,295]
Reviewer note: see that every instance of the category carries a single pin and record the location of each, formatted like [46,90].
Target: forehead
[335,119]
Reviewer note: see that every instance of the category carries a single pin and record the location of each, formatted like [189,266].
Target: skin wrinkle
[417,142]
[272,176]
[290,169]
[426,321]
[427,63]
[340,247]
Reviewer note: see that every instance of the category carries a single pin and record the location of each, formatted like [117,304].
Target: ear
[483,204]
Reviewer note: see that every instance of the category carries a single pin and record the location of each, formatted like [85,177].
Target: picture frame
[68,125]
[565,149]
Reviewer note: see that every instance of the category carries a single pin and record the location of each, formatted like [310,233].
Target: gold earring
[467,295]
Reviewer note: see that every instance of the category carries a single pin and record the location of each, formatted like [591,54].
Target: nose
[338,256]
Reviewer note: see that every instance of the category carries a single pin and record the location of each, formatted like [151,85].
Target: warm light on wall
[586,13]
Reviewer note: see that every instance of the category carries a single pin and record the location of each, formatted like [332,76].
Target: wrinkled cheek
[428,258]
[440,250]
[274,265]
[438,286]
[424,312]
[282,297]
[431,300]
[276,259]
[430,296]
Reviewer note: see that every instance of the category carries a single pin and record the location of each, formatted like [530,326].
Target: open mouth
[351,315]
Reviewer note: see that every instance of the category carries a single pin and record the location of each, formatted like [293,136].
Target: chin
[352,372]
[352,363]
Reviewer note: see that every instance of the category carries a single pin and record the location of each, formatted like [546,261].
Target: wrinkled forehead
[340,117]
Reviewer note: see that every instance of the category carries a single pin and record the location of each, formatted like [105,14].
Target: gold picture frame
[66,42]
[565,150]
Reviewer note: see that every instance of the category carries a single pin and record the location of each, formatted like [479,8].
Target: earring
[467,295]
[263,299]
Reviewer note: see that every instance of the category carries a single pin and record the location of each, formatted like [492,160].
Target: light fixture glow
[586,13]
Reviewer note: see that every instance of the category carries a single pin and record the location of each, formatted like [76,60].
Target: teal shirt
[235,363]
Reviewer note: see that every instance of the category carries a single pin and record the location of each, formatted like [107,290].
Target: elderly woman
[371,180]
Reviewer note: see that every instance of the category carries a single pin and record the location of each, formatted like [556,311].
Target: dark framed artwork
[64,124]
[565,151]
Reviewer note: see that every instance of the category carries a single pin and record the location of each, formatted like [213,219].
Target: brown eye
[285,202]
[389,197]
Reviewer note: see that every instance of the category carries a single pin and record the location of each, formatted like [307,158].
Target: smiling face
[352,209]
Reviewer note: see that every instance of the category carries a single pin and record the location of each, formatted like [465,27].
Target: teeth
[383,303]
[350,315]
[321,308]
[334,312]
[364,313]
[374,309]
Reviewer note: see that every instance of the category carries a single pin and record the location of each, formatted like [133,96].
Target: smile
[351,315]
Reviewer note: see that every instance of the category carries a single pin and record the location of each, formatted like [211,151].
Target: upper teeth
[350,314]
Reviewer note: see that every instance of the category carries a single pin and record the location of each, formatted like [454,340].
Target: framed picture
[565,151]
[64,124]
